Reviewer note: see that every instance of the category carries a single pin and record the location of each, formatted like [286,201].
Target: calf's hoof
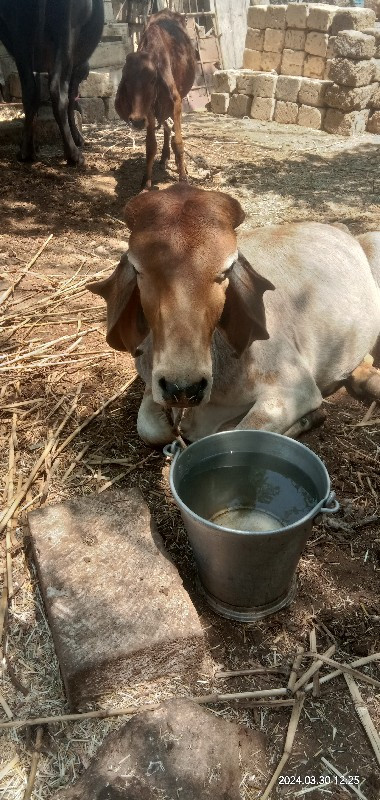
[183,179]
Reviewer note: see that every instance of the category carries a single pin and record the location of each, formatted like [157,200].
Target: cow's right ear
[126,323]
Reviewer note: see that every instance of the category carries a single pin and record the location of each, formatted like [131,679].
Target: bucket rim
[177,453]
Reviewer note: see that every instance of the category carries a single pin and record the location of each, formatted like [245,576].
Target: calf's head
[181,279]
[137,90]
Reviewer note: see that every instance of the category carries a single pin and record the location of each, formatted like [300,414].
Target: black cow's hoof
[27,158]
[76,161]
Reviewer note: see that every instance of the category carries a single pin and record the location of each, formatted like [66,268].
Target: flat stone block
[352,73]
[252,59]
[286,113]
[245,81]
[287,88]
[110,110]
[316,44]
[263,108]
[93,109]
[115,601]
[274,40]
[109,53]
[312,92]
[219,102]
[296,15]
[294,39]
[292,62]
[254,39]
[376,66]
[314,67]
[375,5]
[320,18]
[271,61]
[354,44]
[346,99]
[224,80]
[276,16]
[351,124]
[257,17]
[353,19]
[331,47]
[98,84]
[373,124]
[311,117]
[376,33]
[178,750]
[265,85]
[240,105]
[375,99]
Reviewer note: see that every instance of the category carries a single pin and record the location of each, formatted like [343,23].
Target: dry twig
[18,280]
[364,716]
[33,769]
[292,729]
[345,668]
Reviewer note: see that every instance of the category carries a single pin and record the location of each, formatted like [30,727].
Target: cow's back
[166,30]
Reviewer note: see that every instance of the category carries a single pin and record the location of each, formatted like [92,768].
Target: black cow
[57,37]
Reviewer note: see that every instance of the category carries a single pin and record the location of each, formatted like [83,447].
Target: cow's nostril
[162,384]
[138,123]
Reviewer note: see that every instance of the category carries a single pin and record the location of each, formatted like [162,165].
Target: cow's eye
[226,274]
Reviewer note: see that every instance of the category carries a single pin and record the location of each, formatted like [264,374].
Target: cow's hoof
[27,157]
[183,179]
[76,161]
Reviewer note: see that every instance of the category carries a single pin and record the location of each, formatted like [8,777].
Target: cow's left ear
[126,323]
[243,319]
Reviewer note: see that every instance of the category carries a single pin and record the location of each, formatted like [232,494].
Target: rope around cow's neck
[175,425]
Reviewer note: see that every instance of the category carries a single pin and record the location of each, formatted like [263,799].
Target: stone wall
[308,64]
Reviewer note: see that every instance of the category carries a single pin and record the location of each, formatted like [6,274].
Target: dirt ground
[278,173]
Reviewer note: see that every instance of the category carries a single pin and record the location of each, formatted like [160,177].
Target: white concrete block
[276,16]
[314,67]
[320,18]
[352,73]
[287,88]
[220,102]
[93,109]
[240,105]
[257,17]
[263,108]
[286,113]
[224,80]
[312,92]
[98,84]
[271,61]
[354,44]
[254,39]
[349,124]
[316,44]
[294,39]
[296,15]
[109,54]
[292,62]
[311,117]
[274,40]
[252,59]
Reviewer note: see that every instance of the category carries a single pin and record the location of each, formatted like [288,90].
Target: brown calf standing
[153,83]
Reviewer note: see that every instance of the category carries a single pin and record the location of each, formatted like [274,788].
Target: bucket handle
[172,449]
[331,505]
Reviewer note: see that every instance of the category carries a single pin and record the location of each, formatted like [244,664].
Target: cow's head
[181,279]
[137,90]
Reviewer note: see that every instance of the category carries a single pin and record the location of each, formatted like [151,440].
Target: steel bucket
[248,500]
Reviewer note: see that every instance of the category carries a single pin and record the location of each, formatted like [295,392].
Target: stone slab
[353,19]
[257,17]
[219,102]
[240,105]
[314,67]
[312,92]
[354,44]
[93,109]
[263,108]
[254,39]
[245,82]
[294,39]
[286,113]
[224,80]
[296,15]
[376,33]
[178,751]
[116,605]
[98,84]
[252,59]
[271,62]
[316,44]
[287,88]
[276,16]
[274,40]
[311,117]
[292,62]
[352,73]
[320,18]
[375,99]
[351,124]
[265,84]
[111,53]
[346,99]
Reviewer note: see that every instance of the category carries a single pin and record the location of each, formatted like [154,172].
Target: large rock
[352,124]
[115,602]
[354,44]
[346,72]
[353,19]
[177,751]
[346,98]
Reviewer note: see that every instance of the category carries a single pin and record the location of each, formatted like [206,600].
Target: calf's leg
[177,141]
[151,150]
[165,155]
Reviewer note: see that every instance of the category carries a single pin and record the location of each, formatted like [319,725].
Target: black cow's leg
[59,92]
[80,73]
[165,155]
[30,99]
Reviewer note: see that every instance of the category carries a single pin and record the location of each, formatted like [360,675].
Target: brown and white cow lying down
[190,306]
[153,83]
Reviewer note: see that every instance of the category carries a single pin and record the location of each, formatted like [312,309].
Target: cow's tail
[40,27]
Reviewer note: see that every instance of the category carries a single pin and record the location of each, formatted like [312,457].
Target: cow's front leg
[280,411]
[165,155]
[364,382]
[30,100]
[59,92]
[151,150]
[177,141]
[152,423]
[80,73]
